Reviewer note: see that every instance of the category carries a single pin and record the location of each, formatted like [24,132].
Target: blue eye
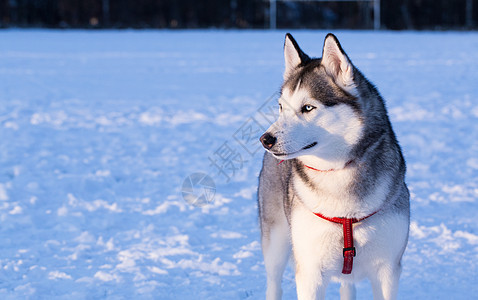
[307,108]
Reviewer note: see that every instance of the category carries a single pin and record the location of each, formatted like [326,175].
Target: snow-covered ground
[98,131]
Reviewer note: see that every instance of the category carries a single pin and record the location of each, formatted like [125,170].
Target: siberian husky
[332,185]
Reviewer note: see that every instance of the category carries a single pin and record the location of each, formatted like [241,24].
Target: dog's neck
[333,193]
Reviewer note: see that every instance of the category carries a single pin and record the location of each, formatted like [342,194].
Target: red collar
[349,249]
[329,170]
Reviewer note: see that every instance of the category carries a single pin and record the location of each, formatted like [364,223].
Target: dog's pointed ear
[338,65]
[293,55]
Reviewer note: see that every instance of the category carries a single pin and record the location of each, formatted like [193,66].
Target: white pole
[272,14]
[376,14]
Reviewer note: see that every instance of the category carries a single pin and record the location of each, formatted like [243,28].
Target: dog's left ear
[338,65]
[293,55]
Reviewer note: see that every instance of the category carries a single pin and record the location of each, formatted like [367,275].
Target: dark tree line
[395,14]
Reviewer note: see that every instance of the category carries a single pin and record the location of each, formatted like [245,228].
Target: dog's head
[319,105]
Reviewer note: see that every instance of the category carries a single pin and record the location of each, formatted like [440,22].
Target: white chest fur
[318,243]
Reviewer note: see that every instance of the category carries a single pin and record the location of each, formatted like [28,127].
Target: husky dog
[332,185]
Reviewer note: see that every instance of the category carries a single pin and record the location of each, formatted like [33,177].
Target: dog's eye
[280,107]
[307,108]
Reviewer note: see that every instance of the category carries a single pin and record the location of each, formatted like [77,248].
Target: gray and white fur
[333,120]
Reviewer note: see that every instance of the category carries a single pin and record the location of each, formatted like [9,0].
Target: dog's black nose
[268,140]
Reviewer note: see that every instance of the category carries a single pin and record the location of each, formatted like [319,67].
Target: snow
[99,129]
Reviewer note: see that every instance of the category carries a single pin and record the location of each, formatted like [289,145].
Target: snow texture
[100,128]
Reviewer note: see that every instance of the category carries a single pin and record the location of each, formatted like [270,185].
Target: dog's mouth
[304,148]
[309,146]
